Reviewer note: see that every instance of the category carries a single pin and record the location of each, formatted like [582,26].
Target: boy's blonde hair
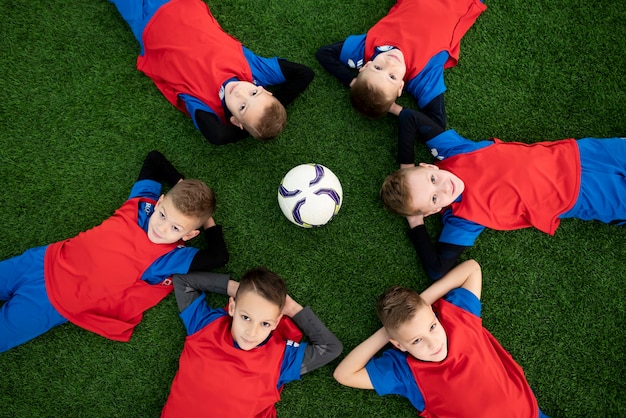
[397,306]
[395,193]
[272,123]
[265,283]
[193,198]
[368,99]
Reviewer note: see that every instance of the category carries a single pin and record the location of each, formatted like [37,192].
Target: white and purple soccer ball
[310,195]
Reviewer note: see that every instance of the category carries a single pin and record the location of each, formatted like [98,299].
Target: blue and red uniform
[190,59]
[428,34]
[217,378]
[102,279]
[478,378]
[513,185]
[517,185]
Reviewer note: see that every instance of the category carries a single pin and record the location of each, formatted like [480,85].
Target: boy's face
[254,318]
[422,336]
[386,72]
[247,102]
[167,224]
[432,189]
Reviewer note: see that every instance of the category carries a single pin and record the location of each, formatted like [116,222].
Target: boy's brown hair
[264,283]
[272,123]
[398,305]
[395,193]
[369,100]
[193,198]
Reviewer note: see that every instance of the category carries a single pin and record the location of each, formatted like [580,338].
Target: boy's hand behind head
[291,307]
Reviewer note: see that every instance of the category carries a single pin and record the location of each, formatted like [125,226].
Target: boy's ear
[397,345]
[191,235]
[236,122]
[231,306]
[425,165]
[159,201]
[401,88]
[277,321]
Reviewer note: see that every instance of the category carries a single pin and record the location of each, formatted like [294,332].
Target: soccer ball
[310,195]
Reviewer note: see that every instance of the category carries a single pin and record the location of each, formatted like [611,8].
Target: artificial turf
[77,119]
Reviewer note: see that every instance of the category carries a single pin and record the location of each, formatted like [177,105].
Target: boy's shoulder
[353,51]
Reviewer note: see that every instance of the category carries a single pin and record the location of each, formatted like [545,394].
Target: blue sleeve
[265,71]
[176,261]
[390,375]
[292,362]
[146,188]
[353,51]
[458,231]
[465,300]
[429,83]
[450,143]
[192,104]
[199,314]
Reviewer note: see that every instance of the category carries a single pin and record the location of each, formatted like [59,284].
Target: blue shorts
[27,312]
[137,13]
[602,195]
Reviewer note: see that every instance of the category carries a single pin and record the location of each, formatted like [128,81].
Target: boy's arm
[156,167]
[297,76]
[467,275]
[351,371]
[217,133]
[414,125]
[438,259]
[323,345]
[187,287]
[216,254]
[328,57]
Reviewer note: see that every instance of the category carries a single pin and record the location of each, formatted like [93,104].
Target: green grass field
[77,119]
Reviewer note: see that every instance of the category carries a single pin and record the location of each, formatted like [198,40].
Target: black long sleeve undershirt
[438,259]
[329,57]
[414,125]
[297,76]
[158,168]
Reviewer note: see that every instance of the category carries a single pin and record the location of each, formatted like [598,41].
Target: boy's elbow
[335,350]
[339,376]
[217,138]
[319,54]
[474,264]
[225,258]
[308,75]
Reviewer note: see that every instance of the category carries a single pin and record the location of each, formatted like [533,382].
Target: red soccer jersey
[422,29]
[512,185]
[215,378]
[478,378]
[94,279]
[186,51]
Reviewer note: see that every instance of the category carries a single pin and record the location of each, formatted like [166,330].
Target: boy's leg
[602,194]
[27,311]
[137,13]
